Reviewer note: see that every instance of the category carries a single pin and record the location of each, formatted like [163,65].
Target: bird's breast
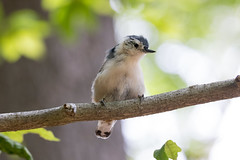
[119,83]
[122,82]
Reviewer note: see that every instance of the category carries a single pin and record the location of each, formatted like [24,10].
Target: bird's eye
[136,45]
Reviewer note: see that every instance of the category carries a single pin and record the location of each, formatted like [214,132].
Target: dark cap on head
[143,40]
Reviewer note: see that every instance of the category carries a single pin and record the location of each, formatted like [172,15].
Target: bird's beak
[148,50]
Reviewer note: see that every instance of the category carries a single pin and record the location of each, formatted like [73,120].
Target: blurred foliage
[198,150]
[22,34]
[1,13]
[169,150]
[157,81]
[9,146]
[69,16]
[182,19]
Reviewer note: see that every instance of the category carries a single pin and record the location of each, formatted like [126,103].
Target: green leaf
[160,154]
[18,135]
[45,134]
[169,150]
[172,149]
[15,136]
[11,147]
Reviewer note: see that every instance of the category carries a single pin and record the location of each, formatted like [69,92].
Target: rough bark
[71,112]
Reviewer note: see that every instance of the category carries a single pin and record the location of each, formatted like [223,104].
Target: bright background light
[199,60]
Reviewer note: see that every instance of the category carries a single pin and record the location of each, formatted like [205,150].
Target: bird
[120,77]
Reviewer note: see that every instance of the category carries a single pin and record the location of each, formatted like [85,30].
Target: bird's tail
[104,128]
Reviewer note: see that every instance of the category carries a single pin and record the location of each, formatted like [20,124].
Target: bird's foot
[141,98]
[102,102]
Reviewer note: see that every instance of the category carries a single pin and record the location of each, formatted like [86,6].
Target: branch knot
[70,108]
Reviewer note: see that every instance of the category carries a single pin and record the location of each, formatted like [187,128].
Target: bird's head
[136,45]
[132,48]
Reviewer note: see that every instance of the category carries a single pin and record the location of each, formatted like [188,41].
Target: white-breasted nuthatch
[120,77]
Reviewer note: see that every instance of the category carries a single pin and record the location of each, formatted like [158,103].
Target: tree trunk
[64,75]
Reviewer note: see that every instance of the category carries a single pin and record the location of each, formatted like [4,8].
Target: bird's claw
[141,98]
[102,102]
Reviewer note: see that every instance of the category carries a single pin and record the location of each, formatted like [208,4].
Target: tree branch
[70,112]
